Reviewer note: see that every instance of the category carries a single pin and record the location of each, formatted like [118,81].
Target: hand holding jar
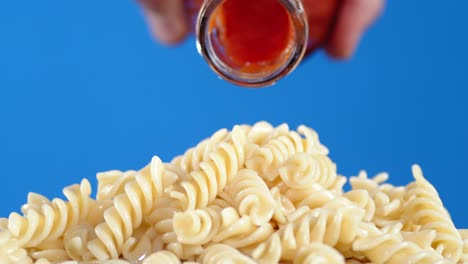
[254,43]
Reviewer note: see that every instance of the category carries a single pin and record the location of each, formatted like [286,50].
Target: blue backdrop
[83,89]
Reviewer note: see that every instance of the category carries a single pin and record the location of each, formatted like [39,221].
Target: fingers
[167,20]
[320,15]
[354,17]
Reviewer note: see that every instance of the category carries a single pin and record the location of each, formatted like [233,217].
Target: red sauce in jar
[255,35]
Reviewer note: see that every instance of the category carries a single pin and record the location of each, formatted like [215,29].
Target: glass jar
[250,43]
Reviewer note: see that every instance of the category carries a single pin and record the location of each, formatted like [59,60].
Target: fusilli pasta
[256,194]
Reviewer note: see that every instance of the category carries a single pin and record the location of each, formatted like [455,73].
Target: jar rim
[298,48]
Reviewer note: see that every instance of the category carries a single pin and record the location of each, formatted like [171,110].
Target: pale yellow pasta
[300,170]
[353,261]
[112,183]
[312,143]
[239,232]
[331,226]
[380,247]
[134,250]
[283,206]
[464,235]
[160,257]
[11,251]
[363,199]
[129,208]
[192,157]
[423,238]
[53,218]
[46,261]
[215,174]
[268,158]
[268,251]
[261,132]
[388,200]
[3,224]
[256,194]
[221,253]
[279,145]
[251,196]
[258,235]
[425,209]
[199,226]
[313,197]
[76,242]
[318,253]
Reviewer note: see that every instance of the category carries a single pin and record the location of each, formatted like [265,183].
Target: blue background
[83,89]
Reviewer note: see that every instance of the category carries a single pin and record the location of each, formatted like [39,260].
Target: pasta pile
[256,194]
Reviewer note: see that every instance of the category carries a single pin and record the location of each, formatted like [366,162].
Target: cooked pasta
[221,253]
[268,251]
[380,247]
[216,172]
[129,208]
[47,220]
[251,196]
[425,209]
[163,256]
[11,250]
[464,234]
[198,226]
[318,253]
[112,183]
[256,194]
[330,226]
[192,157]
[387,199]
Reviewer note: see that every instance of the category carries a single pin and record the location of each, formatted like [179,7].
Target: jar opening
[252,43]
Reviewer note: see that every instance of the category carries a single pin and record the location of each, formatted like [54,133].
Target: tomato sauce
[255,35]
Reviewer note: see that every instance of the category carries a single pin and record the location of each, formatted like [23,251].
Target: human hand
[335,25]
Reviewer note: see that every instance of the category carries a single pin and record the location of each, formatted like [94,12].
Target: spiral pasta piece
[11,251]
[423,239]
[192,158]
[318,253]
[283,206]
[380,247]
[256,194]
[388,200]
[198,226]
[53,219]
[76,240]
[129,208]
[331,226]
[312,143]
[204,185]
[3,224]
[269,251]
[51,251]
[112,183]
[313,197]
[425,209]
[163,220]
[362,199]
[268,158]
[240,232]
[464,235]
[260,133]
[163,256]
[251,196]
[221,253]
